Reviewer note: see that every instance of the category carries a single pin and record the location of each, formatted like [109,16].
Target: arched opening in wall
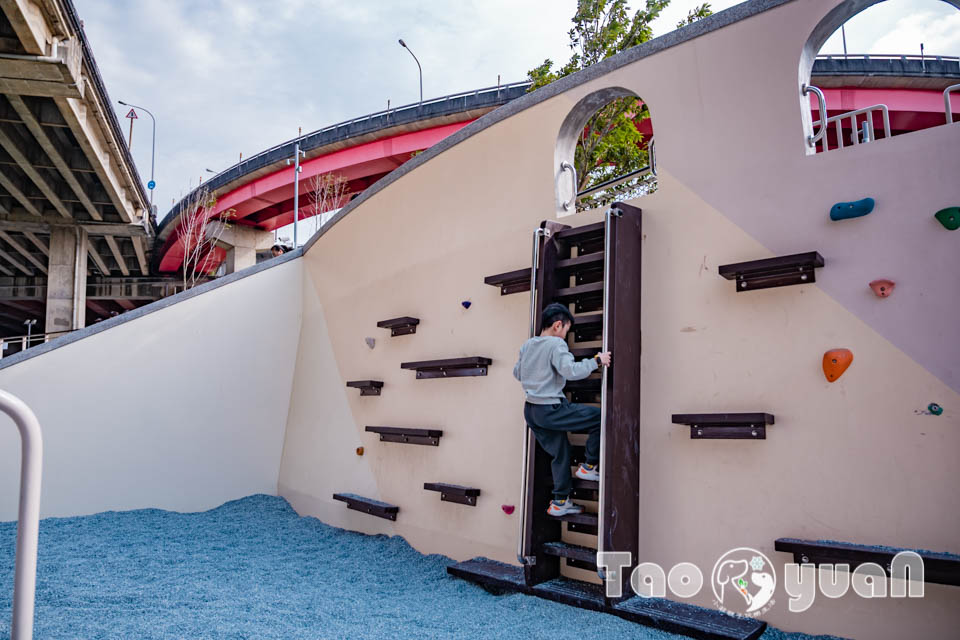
[604,151]
[873,69]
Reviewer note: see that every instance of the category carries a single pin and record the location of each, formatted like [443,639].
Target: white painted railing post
[28,524]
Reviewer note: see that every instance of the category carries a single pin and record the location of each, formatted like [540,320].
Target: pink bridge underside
[266,203]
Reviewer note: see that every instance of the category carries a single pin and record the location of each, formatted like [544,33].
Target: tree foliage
[697,13]
[610,144]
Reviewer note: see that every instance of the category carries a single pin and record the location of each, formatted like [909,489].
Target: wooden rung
[368,505]
[406,435]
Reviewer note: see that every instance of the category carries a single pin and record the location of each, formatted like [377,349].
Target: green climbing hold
[845,210]
[949,217]
[934,408]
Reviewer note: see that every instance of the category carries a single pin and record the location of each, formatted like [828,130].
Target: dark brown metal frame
[449,368]
[454,493]
[367,387]
[406,435]
[400,326]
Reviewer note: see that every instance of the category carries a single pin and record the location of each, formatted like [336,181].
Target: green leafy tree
[697,13]
[610,143]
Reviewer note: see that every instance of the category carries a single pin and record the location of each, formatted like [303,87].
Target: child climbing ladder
[543,368]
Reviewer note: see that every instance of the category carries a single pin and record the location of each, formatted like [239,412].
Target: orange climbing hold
[359,451]
[883,288]
[835,362]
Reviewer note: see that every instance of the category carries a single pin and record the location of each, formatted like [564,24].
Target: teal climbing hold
[845,210]
[949,217]
[934,408]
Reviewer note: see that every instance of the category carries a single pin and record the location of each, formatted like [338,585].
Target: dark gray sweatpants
[551,423]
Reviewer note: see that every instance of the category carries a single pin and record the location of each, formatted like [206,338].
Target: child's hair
[553,312]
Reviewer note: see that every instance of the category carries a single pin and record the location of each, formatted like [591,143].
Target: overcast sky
[225,77]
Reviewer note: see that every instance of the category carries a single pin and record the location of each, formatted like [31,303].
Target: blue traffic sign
[151,185]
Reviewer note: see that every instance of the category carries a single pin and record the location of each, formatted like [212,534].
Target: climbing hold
[845,210]
[507,508]
[466,304]
[934,408]
[883,288]
[371,342]
[835,362]
[359,451]
[949,217]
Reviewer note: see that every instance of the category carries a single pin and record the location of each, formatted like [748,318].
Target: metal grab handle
[946,101]
[527,434]
[601,504]
[822,105]
[566,166]
[652,152]
[28,524]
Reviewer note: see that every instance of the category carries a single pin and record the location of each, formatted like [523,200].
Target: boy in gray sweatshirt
[544,366]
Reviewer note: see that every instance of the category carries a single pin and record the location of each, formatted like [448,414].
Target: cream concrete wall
[183,408]
[855,460]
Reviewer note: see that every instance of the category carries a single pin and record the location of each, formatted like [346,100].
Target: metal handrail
[868,122]
[566,166]
[882,56]
[946,101]
[822,103]
[615,181]
[28,522]
[527,434]
[601,503]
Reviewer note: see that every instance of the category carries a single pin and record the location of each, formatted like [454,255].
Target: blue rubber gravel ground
[253,568]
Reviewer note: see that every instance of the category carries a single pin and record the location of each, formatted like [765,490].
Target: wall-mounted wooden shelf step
[405,435]
[449,368]
[941,568]
[510,282]
[774,272]
[725,426]
[580,522]
[368,505]
[588,327]
[588,297]
[367,387]
[400,326]
[587,268]
[577,556]
[587,239]
[585,489]
[454,493]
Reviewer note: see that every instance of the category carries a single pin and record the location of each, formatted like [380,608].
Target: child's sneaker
[588,472]
[563,508]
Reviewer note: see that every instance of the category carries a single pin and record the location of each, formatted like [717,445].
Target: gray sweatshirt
[544,366]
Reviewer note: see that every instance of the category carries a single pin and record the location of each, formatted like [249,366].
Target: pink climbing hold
[883,287]
[507,508]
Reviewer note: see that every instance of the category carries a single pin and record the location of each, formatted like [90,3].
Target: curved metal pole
[601,505]
[946,101]
[566,166]
[652,152]
[153,149]
[404,45]
[28,524]
[527,434]
[822,105]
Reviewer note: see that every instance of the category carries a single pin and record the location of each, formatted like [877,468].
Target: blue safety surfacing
[253,568]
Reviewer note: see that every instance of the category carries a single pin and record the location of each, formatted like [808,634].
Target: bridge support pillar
[66,279]
[242,244]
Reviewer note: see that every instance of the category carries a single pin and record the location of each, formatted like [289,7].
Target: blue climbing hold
[845,210]
[466,304]
[934,408]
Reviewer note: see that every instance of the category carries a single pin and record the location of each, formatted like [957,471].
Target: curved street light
[153,150]
[404,45]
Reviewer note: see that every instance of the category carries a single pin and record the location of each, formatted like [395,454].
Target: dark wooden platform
[367,387]
[725,426]
[675,617]
[774,272]
[407,435]
[939,568]
[454,493]
[450,367]
[400,326]
[510,281]
[368,505]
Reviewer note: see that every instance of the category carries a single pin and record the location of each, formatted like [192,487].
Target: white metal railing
[28,522]
[865,128]
[946,101]
[8,346]
[883,56]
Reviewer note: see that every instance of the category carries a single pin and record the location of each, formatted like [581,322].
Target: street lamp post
[296,188]
[153,149]
[404,45]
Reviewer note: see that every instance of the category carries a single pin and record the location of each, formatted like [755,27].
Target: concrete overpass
[73,210]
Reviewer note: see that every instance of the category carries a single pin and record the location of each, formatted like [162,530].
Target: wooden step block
[774,272]
[400,326]
[406,435]
[576,555]
[511,281]
[368,505]
[454,493]
[725,426]
[450,367]
[367,387]
[688,620]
